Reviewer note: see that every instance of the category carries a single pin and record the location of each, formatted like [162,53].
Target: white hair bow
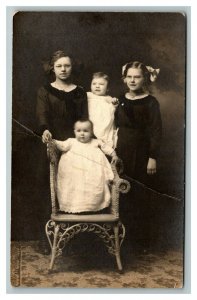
[123,68]
[153,72]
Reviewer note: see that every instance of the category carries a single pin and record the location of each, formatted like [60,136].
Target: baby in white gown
[101,109]
[84,171]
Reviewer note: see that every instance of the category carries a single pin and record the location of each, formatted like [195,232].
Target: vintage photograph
[98,149]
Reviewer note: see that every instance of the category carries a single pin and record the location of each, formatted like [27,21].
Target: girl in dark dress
[139,126]
[60,104]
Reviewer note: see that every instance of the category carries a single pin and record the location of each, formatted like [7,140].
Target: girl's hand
[115,101]
[46,136]
[152,166]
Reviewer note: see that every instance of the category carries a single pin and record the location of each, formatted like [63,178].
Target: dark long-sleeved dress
[58,110]
[139,137]
[139,134]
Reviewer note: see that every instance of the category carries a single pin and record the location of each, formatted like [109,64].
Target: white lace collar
[129,97]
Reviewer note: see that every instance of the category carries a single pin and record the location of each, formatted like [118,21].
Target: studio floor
[96,269]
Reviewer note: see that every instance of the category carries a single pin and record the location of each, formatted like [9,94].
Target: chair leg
[117,246]
[54,247]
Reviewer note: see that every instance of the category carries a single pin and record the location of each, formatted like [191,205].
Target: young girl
[101,108]
[139,136]
[84,172]
[139,122]
[60,103]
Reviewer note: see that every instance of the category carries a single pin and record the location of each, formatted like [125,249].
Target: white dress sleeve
[64,146]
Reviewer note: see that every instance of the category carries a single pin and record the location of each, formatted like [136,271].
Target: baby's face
[83,132]
[99,86]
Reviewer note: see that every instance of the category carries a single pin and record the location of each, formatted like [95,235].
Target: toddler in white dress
[101,109]
[84,171]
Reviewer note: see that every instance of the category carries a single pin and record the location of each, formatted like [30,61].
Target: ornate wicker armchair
[61,228]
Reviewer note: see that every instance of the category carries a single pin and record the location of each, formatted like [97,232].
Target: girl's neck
[136,93]
[65,85]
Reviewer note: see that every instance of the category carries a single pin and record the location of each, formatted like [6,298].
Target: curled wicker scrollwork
[123,186]
[66,232]
[49,229]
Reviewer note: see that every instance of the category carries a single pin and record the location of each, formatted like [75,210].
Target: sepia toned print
[126,70]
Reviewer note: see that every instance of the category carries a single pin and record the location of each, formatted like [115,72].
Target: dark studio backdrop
[102,42]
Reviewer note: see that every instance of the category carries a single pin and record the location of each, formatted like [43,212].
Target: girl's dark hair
[49,65]
[57,55]
[138,65]
[101,75]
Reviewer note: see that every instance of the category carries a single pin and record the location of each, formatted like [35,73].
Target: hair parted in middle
[136,65]
[150,74]
[49,64]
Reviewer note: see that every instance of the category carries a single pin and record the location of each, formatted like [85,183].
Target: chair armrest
[123,186]
[119,185]
[52,153]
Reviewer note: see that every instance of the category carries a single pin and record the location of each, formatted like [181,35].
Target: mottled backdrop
[102,42]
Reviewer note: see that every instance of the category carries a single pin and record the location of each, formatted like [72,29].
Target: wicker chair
[61,228]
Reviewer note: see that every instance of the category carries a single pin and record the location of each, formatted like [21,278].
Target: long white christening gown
[83,176]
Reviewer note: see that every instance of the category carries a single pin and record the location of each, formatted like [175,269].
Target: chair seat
[99,218]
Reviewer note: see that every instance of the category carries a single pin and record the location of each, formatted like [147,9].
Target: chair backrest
[118,185]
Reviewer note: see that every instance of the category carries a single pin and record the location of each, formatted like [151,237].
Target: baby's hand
[115,101]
